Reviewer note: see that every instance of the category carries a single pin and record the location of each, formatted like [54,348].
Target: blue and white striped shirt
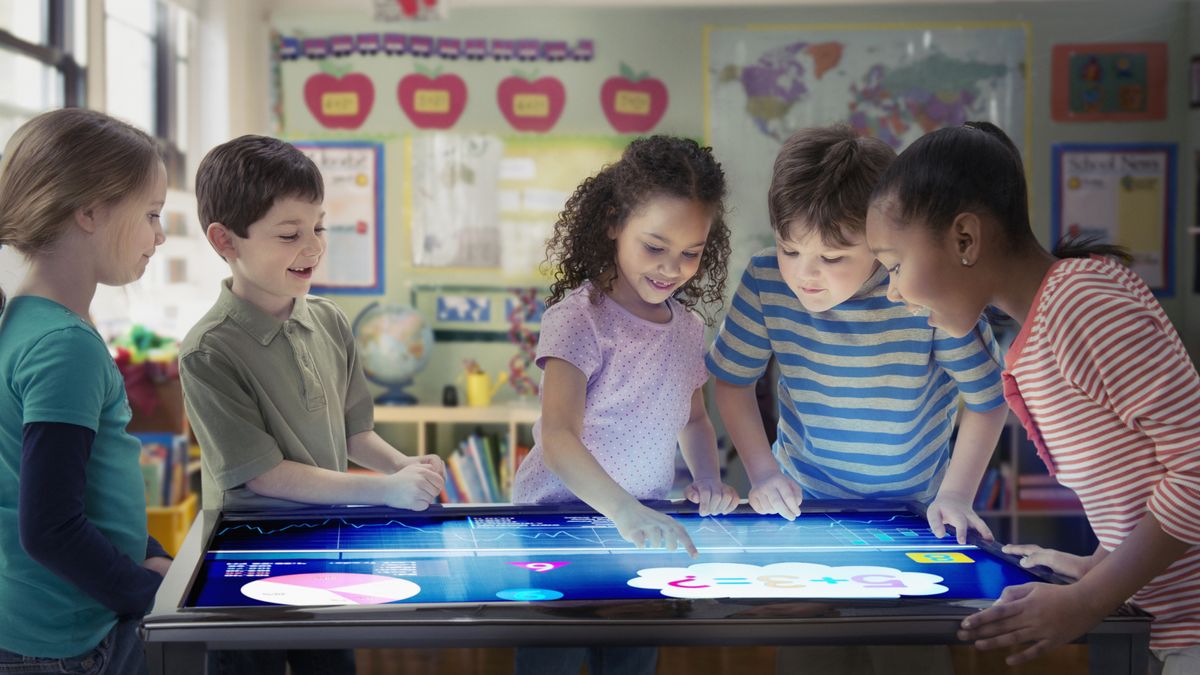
[868,391]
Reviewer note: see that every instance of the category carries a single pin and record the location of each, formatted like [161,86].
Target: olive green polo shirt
[259,390]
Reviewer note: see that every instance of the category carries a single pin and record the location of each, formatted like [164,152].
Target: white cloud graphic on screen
[786,580]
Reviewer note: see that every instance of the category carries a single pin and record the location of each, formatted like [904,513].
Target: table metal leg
[1118,654]
[175,658]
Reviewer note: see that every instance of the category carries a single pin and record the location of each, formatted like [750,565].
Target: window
[41,59]
[148,44]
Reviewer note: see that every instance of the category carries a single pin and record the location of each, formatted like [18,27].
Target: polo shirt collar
[258,324]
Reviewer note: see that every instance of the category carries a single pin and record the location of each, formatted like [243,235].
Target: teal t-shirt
[55,367]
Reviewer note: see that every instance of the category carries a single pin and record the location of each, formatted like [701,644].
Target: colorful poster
[353,174]
[1109,82]
[1122,194]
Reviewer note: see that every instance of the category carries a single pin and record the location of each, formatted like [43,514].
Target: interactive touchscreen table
[842,573]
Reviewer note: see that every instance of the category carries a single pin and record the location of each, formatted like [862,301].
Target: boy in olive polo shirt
[271,380]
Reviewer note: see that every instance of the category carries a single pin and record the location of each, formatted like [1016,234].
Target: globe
[393,343]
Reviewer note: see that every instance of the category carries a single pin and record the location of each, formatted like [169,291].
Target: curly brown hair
[656,166]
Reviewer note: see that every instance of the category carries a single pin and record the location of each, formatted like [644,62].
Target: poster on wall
[895,82]
[450,199]
[1121,194]
[486,203]
[353,174]
[1113,82]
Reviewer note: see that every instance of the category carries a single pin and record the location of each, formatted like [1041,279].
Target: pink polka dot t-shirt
[640,380]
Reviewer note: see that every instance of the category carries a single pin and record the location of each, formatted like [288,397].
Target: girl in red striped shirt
[1097,375]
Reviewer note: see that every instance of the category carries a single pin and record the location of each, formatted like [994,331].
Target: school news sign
[1121,194]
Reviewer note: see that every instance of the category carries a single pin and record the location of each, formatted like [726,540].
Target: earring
[965,263]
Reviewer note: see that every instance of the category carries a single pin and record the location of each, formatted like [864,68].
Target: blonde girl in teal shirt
[80,197]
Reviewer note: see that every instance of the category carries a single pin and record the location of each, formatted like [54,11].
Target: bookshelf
[511,417]
[1028,506]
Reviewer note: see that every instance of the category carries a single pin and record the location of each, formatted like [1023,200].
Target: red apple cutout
[339,102]
[633,103]
[432,101]
[531,105]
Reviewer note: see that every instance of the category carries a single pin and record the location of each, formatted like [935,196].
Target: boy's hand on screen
[777,494]
[1066,564]
[414,487]
[954,509]
[158,565]
[646,528]
[1038,616]
[712,496]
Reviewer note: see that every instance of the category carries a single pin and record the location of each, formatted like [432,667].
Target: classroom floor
[689,661]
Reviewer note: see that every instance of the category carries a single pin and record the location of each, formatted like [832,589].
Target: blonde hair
[62,161]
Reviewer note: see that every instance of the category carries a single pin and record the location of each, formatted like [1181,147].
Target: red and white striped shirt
[1107,393]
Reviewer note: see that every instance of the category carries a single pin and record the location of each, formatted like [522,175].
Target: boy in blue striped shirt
[868,390]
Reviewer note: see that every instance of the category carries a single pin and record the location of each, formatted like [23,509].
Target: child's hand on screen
[646,528]
[712,496]
[1067,564]
[777,494]
[954,509]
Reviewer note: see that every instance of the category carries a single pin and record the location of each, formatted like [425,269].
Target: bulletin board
[353,176]
[1121,194]
[489,203]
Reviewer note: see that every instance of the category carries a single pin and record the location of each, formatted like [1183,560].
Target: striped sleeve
[1122,352]
[742,349]
[973,361]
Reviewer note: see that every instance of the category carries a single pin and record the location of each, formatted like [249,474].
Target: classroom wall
[668,42]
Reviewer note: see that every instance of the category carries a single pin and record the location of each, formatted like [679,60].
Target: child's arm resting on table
[1046,615]
[563,397]
[56,533]
[370,451]
[977,436]
[771,491]
[698,444]
[414,487]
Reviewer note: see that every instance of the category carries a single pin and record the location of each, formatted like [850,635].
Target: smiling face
[130,230]
[659,249]
[274,264]
[926,270]
[822,275]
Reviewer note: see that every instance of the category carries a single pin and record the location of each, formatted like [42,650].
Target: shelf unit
[512,417]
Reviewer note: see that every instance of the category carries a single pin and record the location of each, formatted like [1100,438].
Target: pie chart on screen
[330,589]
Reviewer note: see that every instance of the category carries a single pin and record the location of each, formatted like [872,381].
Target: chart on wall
[353,175]
[895,82]
[484,202]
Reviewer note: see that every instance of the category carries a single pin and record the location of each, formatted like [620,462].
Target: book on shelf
[163,462]
[478,470]
[1052,498]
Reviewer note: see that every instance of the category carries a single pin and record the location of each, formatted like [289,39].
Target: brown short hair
[239,181]
[824,176]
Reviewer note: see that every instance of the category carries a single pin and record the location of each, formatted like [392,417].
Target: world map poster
[892,81]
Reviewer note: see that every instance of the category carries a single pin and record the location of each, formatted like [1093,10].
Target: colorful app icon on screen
[940,557]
